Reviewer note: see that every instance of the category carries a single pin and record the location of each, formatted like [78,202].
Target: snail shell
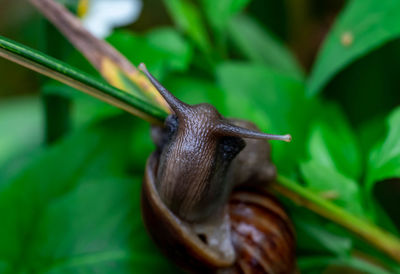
[260,232]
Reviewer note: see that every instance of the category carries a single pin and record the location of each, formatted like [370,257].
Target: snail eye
[229,147]
[171,126]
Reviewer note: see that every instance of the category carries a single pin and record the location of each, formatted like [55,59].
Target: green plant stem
[75,78]
[384,241]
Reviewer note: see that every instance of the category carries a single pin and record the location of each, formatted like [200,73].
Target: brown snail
[203,199]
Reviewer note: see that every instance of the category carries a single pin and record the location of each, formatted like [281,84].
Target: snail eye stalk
[177,105]
[235,131]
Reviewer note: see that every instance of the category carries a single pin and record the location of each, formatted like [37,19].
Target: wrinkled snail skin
[176,238]
[193,163]
[203,201]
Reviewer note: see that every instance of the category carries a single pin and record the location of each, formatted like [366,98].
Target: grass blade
[66,74]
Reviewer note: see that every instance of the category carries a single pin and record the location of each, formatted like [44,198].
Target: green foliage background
[73,204]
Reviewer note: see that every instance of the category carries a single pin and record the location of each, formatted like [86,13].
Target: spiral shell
[261,233]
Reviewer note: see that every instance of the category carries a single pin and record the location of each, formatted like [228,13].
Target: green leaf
[317,237]
[272,100]
[86,109]
[383,173]
[219,13]
[384,160]
[334,164]
[73,209]
[177,52]
[258,45]
[141,145]
[370,133]
[21,127]
[87,232]
[35,185]
[21,138]
[161,49]
[329,264]
[196,90]
[330,184]
[333,143]
[188,19]
[362,27]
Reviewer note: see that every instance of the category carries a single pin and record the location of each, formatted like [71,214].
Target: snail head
[198,148]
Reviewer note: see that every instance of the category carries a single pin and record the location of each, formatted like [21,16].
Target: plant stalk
[382,240]
[75,78]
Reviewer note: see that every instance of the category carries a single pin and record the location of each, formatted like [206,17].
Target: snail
[204,201]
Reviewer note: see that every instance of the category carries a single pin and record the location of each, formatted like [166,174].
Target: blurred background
[301,25]
[324,71]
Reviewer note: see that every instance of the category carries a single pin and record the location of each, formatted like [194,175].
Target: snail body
[203,197]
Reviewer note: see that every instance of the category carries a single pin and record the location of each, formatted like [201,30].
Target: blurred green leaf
[21,137]
[384,160]
[333,144]
[324,264]
[177,53]
[73,202]
[333,185]
[141,146]
[334,165]
[96,227]
[35,185]
[188,19]
[21,127]
[272,100]
[220,12]
[370,133]
[384,168]
[314,236]
[370,79]
[159,49]
[86,109]
[196,90]
[258,45]
[360,28]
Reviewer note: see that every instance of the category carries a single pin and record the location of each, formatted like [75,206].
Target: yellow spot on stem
[330,195]
[149,90]
[112,73]
[109,70]
[347,38]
